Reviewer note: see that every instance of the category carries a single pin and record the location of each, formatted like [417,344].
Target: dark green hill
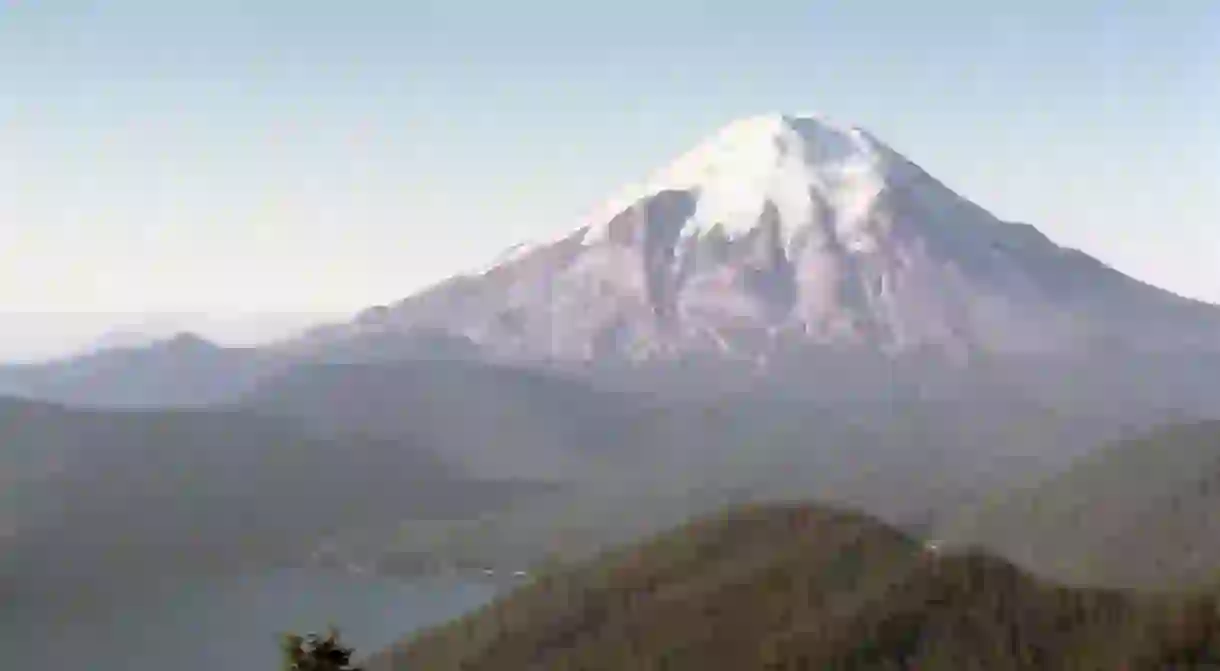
[798,587]
[1140,512]
[92,498]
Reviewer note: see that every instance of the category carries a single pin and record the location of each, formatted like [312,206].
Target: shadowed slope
[92,499]
[1143,512]
[489,420]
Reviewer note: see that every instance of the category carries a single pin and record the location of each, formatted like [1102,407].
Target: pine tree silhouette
[316,653]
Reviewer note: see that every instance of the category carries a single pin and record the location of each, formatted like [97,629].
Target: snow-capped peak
[799,164]
[784,231]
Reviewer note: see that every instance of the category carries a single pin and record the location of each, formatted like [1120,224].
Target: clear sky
[300,156]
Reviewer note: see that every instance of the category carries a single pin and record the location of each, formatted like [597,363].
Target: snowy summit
[776,159]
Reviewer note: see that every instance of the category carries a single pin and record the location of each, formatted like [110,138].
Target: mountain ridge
[94,501]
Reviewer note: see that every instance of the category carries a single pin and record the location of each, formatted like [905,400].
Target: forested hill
[803,587]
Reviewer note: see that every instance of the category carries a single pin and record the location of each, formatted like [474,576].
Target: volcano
[783,232]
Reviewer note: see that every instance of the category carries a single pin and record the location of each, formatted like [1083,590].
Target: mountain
[103,501]
[782,233]
[626,462]
[1142,512]
[187,370]
[806,587]
[182,371]
[501,420]
[783,250]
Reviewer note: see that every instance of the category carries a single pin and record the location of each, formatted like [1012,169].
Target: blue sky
[305,156]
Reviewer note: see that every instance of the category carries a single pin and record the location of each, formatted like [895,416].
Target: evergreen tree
[316,653]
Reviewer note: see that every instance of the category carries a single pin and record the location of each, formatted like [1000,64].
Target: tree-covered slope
[800,587]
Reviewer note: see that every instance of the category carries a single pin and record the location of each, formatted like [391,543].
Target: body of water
[232,624]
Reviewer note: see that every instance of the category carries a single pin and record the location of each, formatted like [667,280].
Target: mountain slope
[101,500]
[183,371]
[782,232]
[799,587]
[491,420]
[1142,512]
[188,371]
[909,463]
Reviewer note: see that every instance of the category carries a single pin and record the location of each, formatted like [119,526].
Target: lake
[232,623]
